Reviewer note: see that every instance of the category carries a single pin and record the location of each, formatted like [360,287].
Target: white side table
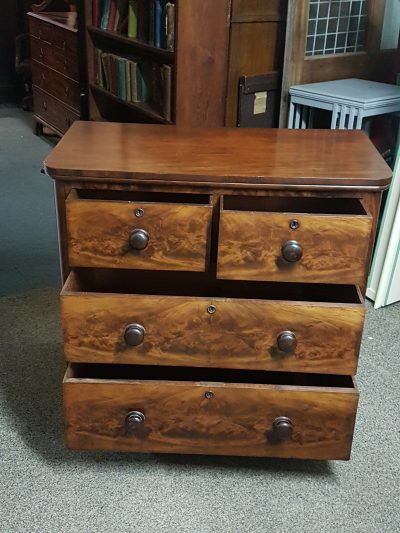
[350,101]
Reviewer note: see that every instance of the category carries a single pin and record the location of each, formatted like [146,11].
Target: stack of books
[151,21]
[135,81]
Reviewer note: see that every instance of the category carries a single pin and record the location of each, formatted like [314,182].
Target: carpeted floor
[45,488]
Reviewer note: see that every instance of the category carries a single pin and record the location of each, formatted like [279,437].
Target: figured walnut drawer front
[53,35]
[321,240]
[158,235]
[236,332]
[56,85]
[65,62]
[53,111]
[109,407]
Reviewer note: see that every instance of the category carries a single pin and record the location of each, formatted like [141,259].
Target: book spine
[158,16]
[105,14]
[122,78]
[170,26]
[151,8]
[112,16]
[95,13]
[132,19]
[128,81]
[104,62]
[143,23]
[167,86]
[133,70]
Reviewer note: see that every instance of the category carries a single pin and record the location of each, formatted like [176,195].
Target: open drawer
[294,239]
[156,409]
[181,319]
[139,230]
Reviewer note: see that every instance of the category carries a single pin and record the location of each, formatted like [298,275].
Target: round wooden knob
[139,239]
[282,428]
[286,341]
[134,334]
[292,251]
[134,420]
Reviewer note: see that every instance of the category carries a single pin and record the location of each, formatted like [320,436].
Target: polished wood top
[253,158]
[67,19]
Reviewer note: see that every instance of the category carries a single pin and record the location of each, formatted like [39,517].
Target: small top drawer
[319,240]
[139,230]
[53,35]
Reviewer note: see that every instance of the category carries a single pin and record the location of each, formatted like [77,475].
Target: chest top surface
[254,158]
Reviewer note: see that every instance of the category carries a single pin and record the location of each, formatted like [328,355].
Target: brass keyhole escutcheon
[211,309]
[209,394]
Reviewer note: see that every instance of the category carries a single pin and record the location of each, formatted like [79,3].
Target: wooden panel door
[330,40]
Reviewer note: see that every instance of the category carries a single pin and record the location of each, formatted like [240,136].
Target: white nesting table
[350,101]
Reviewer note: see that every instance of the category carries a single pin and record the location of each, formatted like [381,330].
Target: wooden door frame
[295,48]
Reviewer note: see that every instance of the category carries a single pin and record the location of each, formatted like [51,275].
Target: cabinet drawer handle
[134,334]
[134,420]
[282,429]
[292,251]
[286,342]
[139,239]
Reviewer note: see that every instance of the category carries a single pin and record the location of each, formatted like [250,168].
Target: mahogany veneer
[214,285]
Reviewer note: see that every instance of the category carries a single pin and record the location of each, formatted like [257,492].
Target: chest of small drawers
[57,93]
[214,286]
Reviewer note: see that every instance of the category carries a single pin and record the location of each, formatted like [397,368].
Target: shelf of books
[132,55]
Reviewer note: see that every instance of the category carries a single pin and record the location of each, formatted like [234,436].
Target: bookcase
[157,61]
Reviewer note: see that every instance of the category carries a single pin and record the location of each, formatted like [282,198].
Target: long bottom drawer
[203,411]
[52,111]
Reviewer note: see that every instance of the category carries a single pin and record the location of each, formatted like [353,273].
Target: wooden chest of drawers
[57,91]
[214,286]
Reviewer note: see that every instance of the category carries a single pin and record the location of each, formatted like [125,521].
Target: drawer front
[320,248]
[209,418]
[165,236]
[211,332]
[53,111]
[53,35]
[55,84]
[65,62]
[258,10]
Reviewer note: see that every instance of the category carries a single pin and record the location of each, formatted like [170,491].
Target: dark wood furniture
[56,73]
[214,286]
[215,44]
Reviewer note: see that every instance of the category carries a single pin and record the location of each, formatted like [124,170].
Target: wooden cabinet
[212,335]
[56,65]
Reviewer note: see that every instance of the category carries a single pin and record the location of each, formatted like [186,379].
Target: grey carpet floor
[46,488]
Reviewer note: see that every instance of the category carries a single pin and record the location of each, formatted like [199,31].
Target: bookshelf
[193,61]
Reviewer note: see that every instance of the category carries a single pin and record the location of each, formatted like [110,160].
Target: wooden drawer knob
[134,334]
[292,251]
[134,420]
[282,428]
[286,341]
[139,239]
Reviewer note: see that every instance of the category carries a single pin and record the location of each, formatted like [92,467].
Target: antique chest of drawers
[213,298]
[57,92]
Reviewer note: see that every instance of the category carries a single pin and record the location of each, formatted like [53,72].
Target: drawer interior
[287,204]
[119,281]
[141,196]
[205,375]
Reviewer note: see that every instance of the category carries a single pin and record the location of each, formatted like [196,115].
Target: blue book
[158,16]
[105,14]
[122,78]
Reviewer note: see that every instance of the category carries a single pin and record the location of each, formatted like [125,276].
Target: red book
[95,13]
[112,15]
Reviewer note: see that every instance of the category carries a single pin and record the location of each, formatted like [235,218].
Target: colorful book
[158,23]
[170,26]
[105,14]
[122,78]
[112,15]
[132,18]
[133,76]
[167,86]
[142,78]
[95,13]
[128,81]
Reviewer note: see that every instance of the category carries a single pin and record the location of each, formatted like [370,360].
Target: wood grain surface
[237,420]
[98,234]
[241,333]
[259,158]
[335,247]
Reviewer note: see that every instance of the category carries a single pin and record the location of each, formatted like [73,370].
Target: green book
[105,14]
[122,78]
[133,18]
